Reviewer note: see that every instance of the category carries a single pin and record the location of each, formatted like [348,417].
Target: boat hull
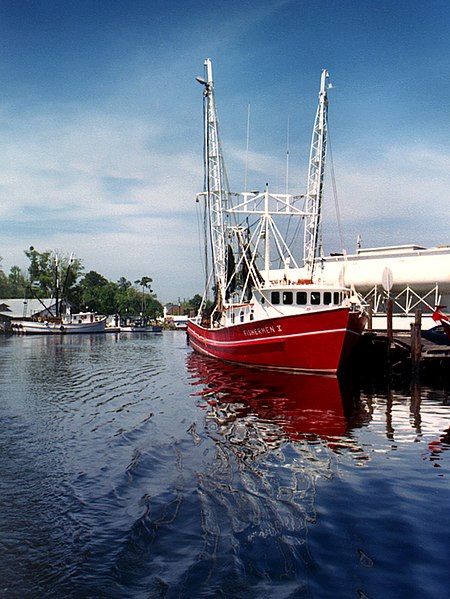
[60,328]
[317,341]
[446,326]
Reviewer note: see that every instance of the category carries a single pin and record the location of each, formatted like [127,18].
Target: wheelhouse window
[302,298]
[275,297]
[336,298]
[288,297]
[327,298]
[315,298]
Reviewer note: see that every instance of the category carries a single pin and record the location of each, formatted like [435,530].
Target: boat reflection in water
[260,410]
[276,437]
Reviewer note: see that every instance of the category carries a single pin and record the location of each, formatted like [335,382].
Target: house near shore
[174,316]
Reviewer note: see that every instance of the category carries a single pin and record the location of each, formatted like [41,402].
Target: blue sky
[101,122]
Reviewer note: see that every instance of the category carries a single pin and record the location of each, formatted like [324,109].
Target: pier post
[416,343]
[389,310]
[370,316]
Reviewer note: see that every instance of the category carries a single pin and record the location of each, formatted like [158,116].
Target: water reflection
[121,476]
[281,406]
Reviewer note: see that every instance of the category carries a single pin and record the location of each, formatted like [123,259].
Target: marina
[214,387]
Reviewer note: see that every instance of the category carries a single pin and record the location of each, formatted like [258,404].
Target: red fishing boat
[268,310]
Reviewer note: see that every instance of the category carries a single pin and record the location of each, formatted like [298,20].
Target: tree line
[51,274]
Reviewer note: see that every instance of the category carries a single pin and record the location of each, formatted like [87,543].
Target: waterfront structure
[412,276]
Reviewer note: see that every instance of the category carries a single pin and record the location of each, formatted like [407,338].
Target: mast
[216,183]
[57,309]
[316,171]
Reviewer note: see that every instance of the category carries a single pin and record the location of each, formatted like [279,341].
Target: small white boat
[69,324]
[141,329]
[139,325]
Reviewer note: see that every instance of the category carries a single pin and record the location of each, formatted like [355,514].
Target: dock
[400,352]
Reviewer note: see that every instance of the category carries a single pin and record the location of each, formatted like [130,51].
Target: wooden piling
[389,310]
[370,316]
[416,343]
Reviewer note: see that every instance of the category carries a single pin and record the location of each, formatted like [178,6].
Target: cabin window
[315,298]
[327,298]
[288,297]
[302,298]
[232,318]
[252,315]
[275,297]
[336,298]
[241,316]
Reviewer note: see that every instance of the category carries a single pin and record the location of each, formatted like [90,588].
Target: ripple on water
[127,472]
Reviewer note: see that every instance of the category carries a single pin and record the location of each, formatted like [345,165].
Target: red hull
[313,341]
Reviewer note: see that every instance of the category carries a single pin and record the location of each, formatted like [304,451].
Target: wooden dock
[402,353]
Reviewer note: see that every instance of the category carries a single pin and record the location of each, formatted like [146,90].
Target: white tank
[397,267]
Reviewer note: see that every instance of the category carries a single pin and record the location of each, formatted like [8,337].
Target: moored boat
[54,319]
[141,329]
[436,335]
[269,310]
[139,325]
[439,334]
[68,324]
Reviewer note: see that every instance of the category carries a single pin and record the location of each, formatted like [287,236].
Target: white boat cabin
[270,302]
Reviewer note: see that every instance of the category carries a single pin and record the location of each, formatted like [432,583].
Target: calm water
[130,467]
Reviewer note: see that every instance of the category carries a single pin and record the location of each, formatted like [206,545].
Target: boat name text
[262,330]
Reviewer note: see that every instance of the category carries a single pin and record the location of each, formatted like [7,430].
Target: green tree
[195,302]
[91,294]
[41,272]
[17,282]
[123,283]
[3,281]
[50,270]
[144,282]
[150,308]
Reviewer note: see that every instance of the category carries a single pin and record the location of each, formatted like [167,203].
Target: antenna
[287,156]
[246,149]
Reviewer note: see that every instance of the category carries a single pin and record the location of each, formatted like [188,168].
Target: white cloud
[399,196]
[103,187]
